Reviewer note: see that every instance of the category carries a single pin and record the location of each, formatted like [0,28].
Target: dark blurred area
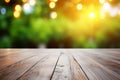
[59,23]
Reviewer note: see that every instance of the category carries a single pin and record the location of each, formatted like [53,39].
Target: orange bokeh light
[7,1]
[52,5]
[18,8]
[16,14]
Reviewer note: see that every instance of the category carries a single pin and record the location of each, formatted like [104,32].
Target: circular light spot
[27,8]
[18,8]
[53,15]
[52,4]
[32,2]
[102,1]
[79,6]
[16,14]
[24,1]
[3,11]
[54,0]
[7,1]
[92,15]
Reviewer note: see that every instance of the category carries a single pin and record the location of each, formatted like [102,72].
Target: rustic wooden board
[111,62]
[12,59]
[5,52]
[62,70]
[43,70]
[15,71]
[59,64]
[94,70]
[76,70]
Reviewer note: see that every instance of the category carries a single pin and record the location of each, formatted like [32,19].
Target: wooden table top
[59,64]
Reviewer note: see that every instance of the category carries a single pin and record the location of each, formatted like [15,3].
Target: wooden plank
[111,50]
[107,61]
[18,69]
[12,59]
[76,69]
[94,70]
[43,70]
[6,52]
[21,55]
[90,64]
[62,70]
[68,69]
[115,52]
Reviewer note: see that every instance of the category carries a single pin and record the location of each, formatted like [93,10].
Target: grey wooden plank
[94,70]
[21,55]
[16,70]
[111,52]
[12,59]
[108,61]
[43,70]
[76,69]
[62,70]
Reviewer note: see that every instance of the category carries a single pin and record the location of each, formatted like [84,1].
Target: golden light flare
[24,1]
[53,15]
[18,8]
[102,1]
[79,6]
[102,16]
[53,0]
[7,1]
[32,2]
[16,14]
[110,0]
[119,13]
[52,5]
[92,15]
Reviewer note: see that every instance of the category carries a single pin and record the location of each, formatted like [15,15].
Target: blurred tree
[66,24]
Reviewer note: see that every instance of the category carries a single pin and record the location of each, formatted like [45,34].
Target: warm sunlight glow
[102,1]
[79,6]
[110,0]
[54,0]
[92,15]
[119,13]
[7,1]
[102,16]
[24,1]
[16,14]
[106,6]
[18,8]
[53,15]
[52,4]
[32,2]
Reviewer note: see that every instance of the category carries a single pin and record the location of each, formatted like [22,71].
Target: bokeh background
[59,23]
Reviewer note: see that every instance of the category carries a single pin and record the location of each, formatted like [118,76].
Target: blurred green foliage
[37,28]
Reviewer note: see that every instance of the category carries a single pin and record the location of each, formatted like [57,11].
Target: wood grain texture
[12,59]
[94,70]
[62,71]
[59,64]
[43,70]
[76,70]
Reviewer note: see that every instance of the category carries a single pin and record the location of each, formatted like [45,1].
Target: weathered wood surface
[59,64]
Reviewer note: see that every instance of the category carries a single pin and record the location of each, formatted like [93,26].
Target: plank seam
[106,69]
[81,68]
[70,66]
[55,66]
[31,67]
